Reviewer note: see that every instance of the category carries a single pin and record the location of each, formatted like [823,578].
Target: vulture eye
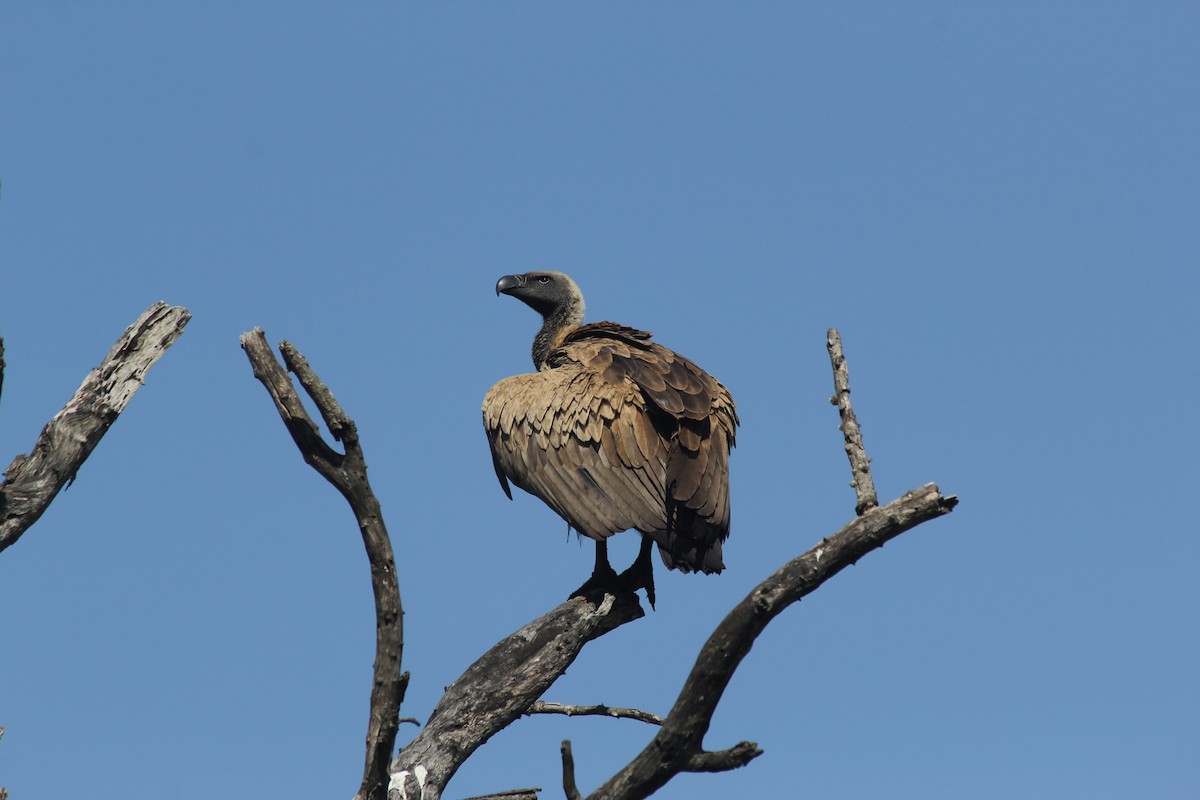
[544,279]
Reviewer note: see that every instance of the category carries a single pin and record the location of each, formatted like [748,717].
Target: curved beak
[509,282]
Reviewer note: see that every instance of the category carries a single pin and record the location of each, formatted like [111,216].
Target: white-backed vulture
[614,432]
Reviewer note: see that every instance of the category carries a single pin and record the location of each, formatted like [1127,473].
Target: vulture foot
[640,574]
[604,577]
[602,580]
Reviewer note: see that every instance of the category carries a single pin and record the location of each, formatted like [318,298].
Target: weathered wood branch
[499,687]
[348,474]
[678,746]
[32,482]
[860,464]
[599,710]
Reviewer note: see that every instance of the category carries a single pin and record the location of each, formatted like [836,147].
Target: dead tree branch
[860,464]
[32,482]
[348,474]
[599,710]
[499,687]
[678,746]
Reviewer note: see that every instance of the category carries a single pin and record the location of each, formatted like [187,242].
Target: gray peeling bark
[348,474]
[32,482]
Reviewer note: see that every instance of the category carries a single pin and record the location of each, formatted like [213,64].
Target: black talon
[640,574]
[604,577]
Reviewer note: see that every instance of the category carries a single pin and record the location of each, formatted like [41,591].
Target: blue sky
[997,205]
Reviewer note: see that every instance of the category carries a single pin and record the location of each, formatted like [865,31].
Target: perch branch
[511,794]
[678,746]
[348,474]
[32,482]
[599,710]
[860,464]
[500,686]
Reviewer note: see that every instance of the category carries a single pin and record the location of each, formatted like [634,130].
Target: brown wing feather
[620,432]
[545,439]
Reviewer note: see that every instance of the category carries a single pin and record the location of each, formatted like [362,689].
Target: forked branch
[348,474]
[32,482]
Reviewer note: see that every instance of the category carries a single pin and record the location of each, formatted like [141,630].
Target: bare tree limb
[500,686]
[511,794]
[348,474]
[568,772]
[860,464]
[678,745]
[600,710]
[32,482]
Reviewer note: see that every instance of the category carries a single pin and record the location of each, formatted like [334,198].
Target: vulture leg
[603,576]
[640,574]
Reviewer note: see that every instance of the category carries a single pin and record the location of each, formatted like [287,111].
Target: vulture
[614,432]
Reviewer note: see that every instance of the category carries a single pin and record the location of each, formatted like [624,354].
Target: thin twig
[511,794]
[860,464]
[348,474]
[600,710]
[568,772]
[32,482]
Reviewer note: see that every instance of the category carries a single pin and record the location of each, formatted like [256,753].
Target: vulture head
[553,295]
